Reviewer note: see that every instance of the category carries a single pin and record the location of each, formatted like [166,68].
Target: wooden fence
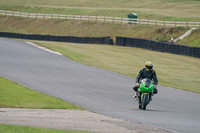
[102,19]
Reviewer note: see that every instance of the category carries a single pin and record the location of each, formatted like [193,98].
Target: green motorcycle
[145,93]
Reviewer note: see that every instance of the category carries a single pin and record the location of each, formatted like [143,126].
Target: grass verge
[169,10]
[192,40]
[163,10]
[173,70]
[88,29]
[27,129]
[17,96]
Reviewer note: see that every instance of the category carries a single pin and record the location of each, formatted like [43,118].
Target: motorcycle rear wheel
[140,106]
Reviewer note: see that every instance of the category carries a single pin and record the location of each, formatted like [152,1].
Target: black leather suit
[146,74]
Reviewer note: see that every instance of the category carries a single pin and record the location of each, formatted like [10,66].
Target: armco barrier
[72,39]
[159,46]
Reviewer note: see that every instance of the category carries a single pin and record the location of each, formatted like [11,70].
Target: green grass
[168,10]
[26,129]
[87,29]
[192,40]
[179,10]
[17,96]
[173,70]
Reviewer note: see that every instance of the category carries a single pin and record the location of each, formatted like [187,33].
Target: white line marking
[43,48]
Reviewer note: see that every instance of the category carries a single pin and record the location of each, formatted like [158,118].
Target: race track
[96,90]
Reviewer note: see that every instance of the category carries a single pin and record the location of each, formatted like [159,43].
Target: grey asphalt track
[95,89]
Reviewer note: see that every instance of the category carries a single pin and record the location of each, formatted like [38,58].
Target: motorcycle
[145,93]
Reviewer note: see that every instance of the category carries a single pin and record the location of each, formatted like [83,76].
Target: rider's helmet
[148,66]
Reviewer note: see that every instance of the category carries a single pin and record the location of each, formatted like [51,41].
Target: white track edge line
[43,48]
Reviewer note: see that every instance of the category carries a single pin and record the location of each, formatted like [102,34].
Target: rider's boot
[155,91]
[136,94]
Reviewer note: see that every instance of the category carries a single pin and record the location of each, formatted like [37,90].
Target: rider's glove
[154,86]
[137,84]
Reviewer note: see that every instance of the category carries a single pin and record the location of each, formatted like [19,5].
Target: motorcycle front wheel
[144,101]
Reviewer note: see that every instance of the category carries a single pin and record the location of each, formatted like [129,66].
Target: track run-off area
[97,90]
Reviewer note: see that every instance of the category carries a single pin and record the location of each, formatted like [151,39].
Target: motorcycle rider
[147,72]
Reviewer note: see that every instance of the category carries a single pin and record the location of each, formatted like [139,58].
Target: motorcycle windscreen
[146,81]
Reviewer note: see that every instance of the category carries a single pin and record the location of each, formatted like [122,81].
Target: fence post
[121,21]
[28,14]
[51,16]
[65,17]
[113,20]
[88,18]
[175,24]
[36,15]
[73,17]
[96,19]
[13,13]
[5,13]
[164,23]
[148,22]
[199,25]
[187,24]
[104,19]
